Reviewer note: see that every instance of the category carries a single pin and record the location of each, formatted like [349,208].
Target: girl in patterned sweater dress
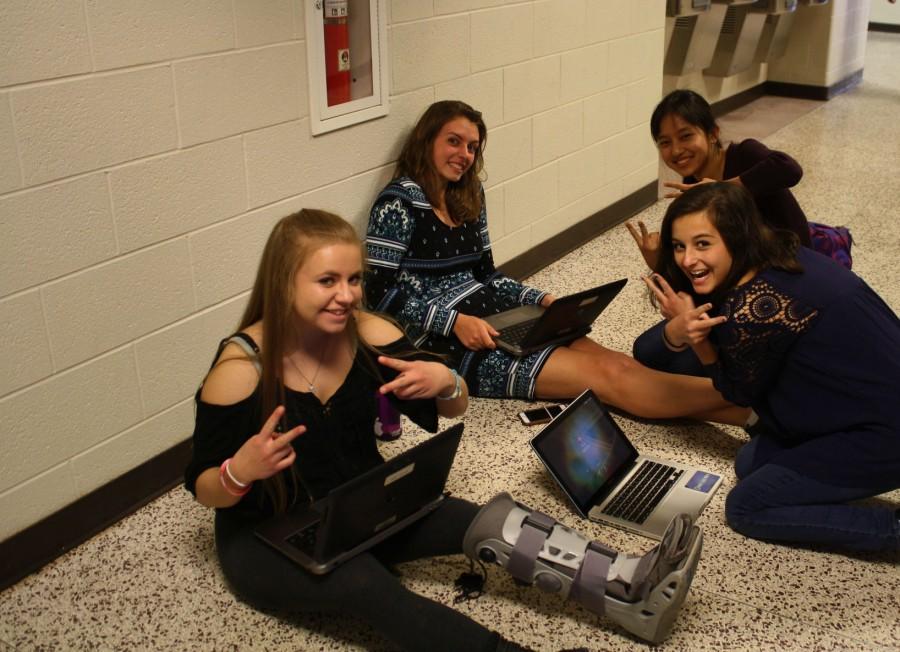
[430,267]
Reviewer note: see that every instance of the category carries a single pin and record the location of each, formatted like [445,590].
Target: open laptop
[608,481]
[368,509]
[526,329]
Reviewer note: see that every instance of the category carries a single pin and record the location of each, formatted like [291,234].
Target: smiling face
[683,147]
[454,149]
[700,251]
[328,287]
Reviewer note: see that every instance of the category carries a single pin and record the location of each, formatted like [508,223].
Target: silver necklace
[309,383]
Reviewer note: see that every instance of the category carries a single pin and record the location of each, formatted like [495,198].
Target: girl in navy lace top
[687,136]
[809,347]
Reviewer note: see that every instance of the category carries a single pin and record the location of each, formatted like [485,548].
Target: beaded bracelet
[244,486]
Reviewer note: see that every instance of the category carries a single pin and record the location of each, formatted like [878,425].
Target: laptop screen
[585,451]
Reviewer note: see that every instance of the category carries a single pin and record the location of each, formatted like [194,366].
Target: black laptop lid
[573,314]
[585,451]
[361,508]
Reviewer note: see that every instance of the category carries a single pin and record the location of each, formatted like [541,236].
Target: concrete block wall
[827,44]
[847,51]
[886,13]
[146,149]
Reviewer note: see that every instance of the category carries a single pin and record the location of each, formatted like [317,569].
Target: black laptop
[368,509]
[530,328]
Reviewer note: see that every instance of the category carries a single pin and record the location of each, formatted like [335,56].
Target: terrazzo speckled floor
[151,581]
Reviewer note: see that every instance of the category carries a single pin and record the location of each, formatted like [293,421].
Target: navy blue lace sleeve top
[816,355]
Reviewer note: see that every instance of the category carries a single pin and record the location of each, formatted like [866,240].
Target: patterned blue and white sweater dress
[424,273]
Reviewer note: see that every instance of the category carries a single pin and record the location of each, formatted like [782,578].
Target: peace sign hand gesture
[687,324]
[671,303]
[646,241]
[267,452]
[693,326]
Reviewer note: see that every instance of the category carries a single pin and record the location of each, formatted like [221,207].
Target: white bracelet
[242,485]
[457,387]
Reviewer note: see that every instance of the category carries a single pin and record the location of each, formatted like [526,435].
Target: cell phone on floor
[541,415]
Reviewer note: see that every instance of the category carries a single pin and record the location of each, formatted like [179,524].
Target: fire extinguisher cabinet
[336,33]
[346,57]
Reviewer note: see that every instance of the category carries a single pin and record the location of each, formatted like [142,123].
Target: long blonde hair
[293,239]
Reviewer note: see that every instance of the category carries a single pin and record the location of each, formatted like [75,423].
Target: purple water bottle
[387,423]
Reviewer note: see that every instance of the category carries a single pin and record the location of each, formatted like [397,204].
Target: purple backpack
[832,241]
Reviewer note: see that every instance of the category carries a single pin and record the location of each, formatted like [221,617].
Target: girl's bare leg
[621,381]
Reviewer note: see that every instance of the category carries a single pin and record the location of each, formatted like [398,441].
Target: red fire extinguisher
[337,52]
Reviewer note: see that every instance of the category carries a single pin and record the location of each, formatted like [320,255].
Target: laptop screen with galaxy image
[607,480]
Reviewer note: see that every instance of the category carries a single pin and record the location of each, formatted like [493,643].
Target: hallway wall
[147,148]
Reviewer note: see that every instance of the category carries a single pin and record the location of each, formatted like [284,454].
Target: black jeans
[364,586]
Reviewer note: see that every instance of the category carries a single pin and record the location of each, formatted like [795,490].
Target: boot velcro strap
[535,529]
[589,583]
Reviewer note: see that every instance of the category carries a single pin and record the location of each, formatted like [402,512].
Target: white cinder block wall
[828,43]
[147,147]
[885,13]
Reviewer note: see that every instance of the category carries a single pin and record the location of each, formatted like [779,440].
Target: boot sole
[652,619]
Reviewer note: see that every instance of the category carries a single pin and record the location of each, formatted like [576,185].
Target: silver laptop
[608,481]
[526,329]
[368,509]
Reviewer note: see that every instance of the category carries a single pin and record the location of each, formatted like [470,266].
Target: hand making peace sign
[646,241]
[687,324]
[267,452]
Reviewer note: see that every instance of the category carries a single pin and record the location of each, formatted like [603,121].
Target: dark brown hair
[463,197]
[751,244]
[690,107]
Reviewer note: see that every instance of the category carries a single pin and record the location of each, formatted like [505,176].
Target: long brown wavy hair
[463,197]
[293,239]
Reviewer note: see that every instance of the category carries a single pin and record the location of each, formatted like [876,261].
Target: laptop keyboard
[642,493]
[516,333]
[305,539]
